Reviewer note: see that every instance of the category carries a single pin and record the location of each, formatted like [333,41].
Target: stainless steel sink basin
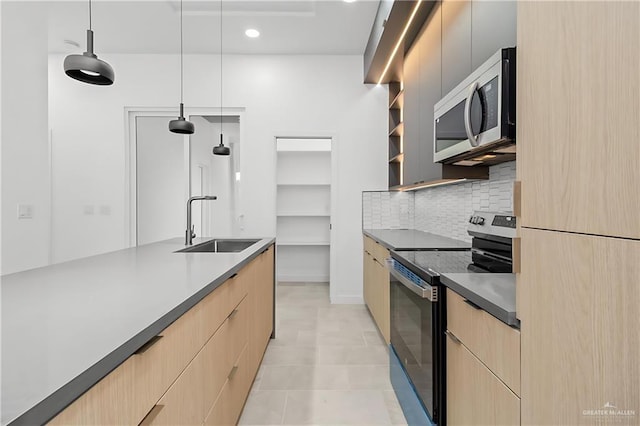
[220,245]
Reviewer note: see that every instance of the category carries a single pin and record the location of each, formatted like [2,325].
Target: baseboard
[303,278]
[347,300]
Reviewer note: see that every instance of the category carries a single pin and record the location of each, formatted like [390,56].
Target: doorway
[165,169]
[303,209]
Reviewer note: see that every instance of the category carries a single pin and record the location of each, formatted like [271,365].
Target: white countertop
[412,239]
[67,324]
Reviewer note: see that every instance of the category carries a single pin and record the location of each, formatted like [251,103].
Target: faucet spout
[190,234]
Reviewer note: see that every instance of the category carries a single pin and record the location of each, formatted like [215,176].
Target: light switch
[25,211]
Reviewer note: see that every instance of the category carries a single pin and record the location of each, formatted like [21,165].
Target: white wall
[282,96]
[220,215]
[160,182]
[25,143]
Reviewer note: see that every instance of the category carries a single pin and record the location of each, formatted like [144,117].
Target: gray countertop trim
[505,315]
[48,408]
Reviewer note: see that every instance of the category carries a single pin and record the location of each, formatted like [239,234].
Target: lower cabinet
[376,285]
[199,369]
[476,396]
[483,367]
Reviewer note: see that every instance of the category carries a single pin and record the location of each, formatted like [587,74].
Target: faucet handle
[193,233]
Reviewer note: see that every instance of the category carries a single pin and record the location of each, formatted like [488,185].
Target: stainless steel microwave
[475,123]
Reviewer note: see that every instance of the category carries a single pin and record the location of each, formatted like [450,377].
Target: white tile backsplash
[442,210]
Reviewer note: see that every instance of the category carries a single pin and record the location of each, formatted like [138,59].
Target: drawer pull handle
[473,305]
[453,337]
[232,372]
[151,415]
[233,276]
[233,313]
[147,345]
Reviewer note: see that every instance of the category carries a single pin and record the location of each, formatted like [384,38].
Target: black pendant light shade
[87,67]
[181,125]
[221,149]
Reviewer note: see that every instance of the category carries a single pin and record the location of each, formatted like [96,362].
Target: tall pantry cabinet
[578,165]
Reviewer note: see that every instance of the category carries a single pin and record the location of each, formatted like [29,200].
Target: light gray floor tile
[336,408]
[327,366]
[394,409]
[372,377]
[264,408]
[345,337]
[304,377]
[290,355]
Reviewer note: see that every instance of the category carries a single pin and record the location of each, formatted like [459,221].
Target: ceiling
[153,26]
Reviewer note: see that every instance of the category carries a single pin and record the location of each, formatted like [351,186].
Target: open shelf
[398,130]
[398,101]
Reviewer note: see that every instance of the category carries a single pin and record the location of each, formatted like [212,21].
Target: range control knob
[471,219]
[480,220]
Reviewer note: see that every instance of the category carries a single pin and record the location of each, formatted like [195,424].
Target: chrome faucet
[190,234]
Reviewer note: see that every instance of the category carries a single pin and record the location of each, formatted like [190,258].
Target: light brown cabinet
[208,355]
[578,153]
[578,85]
[483,366]
[376,285]
[580,322]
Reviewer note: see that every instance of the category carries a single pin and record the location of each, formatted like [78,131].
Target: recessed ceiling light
[252,33]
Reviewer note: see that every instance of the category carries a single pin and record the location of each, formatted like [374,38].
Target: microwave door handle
[473,140]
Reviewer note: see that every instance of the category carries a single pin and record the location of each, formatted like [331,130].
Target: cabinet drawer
[183,403]
[475,396]
[496,344]
[238,286]
[369,245]
[228,406]
[109,402]
[157,366]
[238,329]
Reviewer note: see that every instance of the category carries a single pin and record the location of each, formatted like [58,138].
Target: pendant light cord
[221,69]
[90,15]
[181,63]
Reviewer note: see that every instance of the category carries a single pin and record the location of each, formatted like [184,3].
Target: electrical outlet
[25,211]
[88,210]
[105,210]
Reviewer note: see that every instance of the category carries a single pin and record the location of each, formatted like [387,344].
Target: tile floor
[327,366]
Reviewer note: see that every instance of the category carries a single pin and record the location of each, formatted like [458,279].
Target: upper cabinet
[472,31]
[578,86]
[493,26]
[456,43]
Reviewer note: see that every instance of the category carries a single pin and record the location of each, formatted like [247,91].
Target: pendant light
[221,149]
[181,125]
[87,67]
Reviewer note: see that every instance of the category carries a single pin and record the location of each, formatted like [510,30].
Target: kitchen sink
[220,245]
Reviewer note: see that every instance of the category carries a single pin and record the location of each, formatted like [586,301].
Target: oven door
[416,337]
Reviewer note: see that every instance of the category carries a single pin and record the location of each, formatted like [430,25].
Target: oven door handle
[427,292]
[491,255]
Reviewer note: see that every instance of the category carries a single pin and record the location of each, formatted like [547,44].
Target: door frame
[333,191]
[130,160]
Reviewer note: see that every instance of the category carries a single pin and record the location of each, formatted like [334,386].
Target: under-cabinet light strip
[433,185]
[404,33]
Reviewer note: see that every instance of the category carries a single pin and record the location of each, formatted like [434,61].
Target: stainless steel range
[418,309]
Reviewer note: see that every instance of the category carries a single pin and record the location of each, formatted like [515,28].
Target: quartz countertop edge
[47,408]
[492,292]
[413,239]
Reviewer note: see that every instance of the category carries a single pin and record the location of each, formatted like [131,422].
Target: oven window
[411,337]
